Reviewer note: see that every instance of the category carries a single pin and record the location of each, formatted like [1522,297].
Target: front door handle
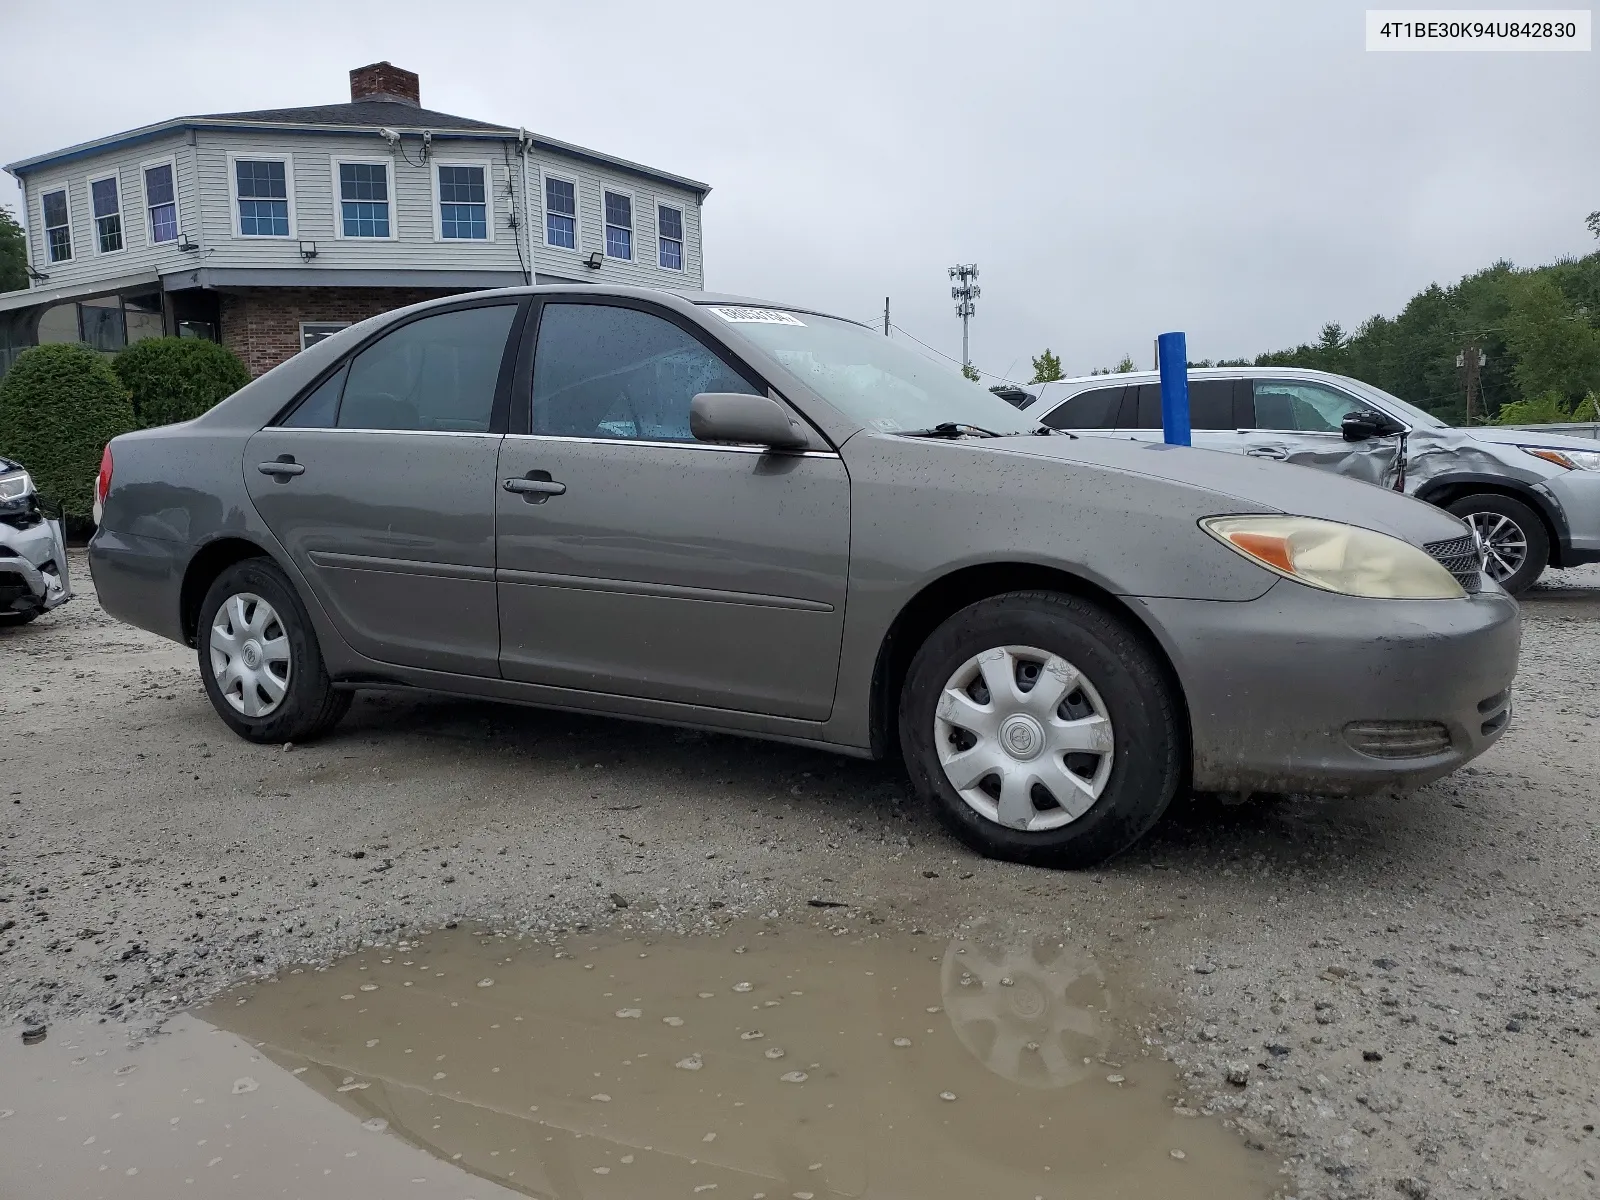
[535,487]
[1277,452]
[282,468]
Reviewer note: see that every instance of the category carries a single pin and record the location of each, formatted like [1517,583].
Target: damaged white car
[33,550]
[1531,498]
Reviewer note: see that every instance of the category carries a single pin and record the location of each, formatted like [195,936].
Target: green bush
[1548,409]
[59,406]
[176,379]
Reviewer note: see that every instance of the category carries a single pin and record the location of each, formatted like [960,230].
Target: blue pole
[1173,354]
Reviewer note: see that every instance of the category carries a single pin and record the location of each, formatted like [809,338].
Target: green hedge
[176,379]
[59,406]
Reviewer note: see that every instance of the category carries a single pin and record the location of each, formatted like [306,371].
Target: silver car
[764,520]
[33,551]
[1533,498]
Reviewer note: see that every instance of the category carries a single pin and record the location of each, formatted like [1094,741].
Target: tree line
[1536,332]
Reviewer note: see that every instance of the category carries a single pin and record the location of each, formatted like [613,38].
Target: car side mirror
[1360,426]
[738,417]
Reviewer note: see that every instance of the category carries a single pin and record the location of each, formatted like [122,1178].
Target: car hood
[1243,484]
[1531,437]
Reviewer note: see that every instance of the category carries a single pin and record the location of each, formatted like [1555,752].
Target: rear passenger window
[1095,409]
[434,375]
[1210,405]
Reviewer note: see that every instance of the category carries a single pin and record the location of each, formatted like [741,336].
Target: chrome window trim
[689,445]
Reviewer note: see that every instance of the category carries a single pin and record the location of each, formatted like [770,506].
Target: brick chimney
[385,81]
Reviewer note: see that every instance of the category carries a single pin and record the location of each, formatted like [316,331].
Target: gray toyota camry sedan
[760,519]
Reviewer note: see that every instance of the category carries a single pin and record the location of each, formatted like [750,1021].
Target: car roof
[1062,389]
[647,293]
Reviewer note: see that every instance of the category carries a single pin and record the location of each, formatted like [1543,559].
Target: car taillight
[102,482]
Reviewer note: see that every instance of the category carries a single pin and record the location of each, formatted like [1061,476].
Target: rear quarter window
[1094,409]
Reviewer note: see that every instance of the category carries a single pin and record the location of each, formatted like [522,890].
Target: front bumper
[33,566]
[1576,495]
[1275,685]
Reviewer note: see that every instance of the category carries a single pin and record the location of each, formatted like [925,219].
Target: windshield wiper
[1047,431]
[950,429]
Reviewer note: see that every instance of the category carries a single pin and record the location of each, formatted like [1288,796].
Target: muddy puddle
[772,1063]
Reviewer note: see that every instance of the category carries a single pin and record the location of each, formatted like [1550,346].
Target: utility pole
[886,316]
[965,291]
[1471,361]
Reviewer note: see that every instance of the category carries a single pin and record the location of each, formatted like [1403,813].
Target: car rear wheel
[260,660]
[1516,546]
[1041,730]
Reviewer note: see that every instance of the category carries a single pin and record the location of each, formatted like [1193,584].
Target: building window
[100,324]
[363,199]
[463,203]
[312,332]
[669,230]
[619,225]
[263,191]
[105,199]
[561,213]
[161,201]
[57,225]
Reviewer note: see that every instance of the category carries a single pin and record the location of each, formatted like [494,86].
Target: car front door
[1299,421]
[636,561]
[380,485]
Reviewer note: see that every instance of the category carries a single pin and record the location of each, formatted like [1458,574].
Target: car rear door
[1298,421]
[380,485]
[636,561]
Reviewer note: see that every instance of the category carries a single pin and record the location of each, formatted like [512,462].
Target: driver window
[1285,404]
[605,372]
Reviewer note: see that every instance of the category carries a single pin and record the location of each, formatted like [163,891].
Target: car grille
[1462,558]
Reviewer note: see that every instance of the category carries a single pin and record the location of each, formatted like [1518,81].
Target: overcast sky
[1243,171]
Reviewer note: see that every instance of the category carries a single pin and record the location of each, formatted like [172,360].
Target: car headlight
[1572,460]
[1337,558]
[14,486]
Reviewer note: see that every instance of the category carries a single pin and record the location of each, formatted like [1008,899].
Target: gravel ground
[1395,995]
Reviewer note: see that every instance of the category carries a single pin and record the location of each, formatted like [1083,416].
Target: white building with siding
[266,230]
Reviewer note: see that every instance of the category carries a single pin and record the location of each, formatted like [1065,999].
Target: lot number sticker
[757,316]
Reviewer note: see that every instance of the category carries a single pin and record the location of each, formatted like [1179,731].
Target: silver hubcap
[1505,545]
[250,655]
[1024,738]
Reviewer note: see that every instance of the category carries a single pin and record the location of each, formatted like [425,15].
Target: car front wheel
[1516,546]
[1041,729]
[260,660]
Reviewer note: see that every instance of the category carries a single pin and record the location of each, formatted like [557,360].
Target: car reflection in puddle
[769,1061]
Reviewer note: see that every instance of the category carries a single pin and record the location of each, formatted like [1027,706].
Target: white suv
[1533,498]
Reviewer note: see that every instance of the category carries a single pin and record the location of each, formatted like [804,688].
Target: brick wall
[262,325]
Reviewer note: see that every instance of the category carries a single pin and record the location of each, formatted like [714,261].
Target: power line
[946,357]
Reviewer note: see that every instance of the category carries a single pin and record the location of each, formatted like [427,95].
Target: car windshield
[882,383]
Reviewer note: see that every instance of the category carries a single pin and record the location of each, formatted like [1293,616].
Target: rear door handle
[536,487]
[1277,452]
[281,468]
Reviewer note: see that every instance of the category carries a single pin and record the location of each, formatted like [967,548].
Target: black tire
[311,705]
[1150,744]
[14,618]
[1490,506]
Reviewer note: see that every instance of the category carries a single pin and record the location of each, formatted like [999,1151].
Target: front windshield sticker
[886,424]
[757,316]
